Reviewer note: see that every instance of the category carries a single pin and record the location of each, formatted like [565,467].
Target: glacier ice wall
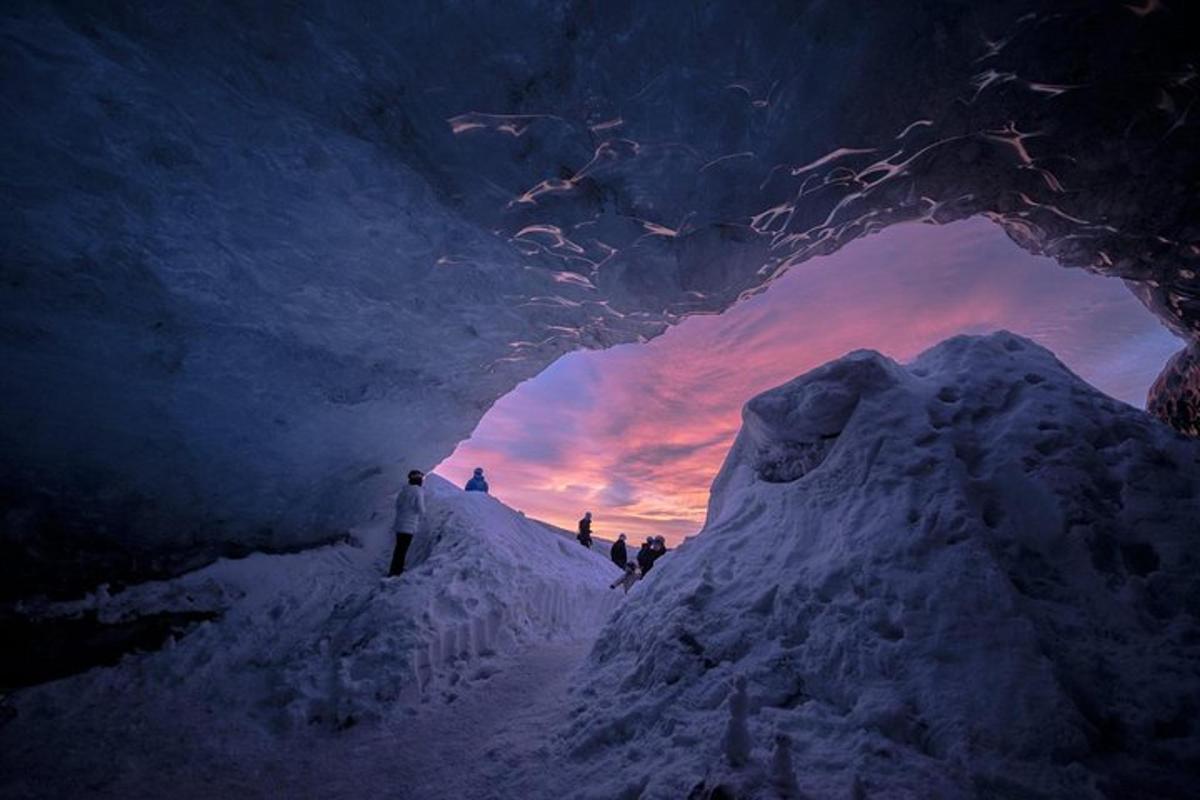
[970,576]
[260,258]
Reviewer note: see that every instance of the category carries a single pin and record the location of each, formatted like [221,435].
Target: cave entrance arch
[264,262]
[637,433]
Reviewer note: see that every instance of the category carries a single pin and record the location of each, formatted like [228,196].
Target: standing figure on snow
[658,548]
[618,554]
[628,579]
[477,482]
[645,556]
[410,507]
[585,530]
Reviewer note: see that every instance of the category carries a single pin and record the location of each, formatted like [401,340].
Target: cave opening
[635,433]
[261,262]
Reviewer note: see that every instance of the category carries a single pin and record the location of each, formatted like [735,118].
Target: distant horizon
[636,433]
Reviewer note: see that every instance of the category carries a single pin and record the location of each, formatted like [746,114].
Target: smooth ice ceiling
[636,433]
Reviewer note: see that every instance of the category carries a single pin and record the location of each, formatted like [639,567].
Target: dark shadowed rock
[1175,395]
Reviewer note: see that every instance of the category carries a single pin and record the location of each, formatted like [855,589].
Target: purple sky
[641,445]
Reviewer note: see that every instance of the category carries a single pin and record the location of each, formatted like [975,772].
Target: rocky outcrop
[1175,396]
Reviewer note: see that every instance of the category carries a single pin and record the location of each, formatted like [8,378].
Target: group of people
[652,549]
[410,507]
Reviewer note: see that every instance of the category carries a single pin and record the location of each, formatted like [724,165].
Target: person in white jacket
[410,507]
[629,578]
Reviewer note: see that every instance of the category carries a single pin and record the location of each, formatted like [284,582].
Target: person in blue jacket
[477,482]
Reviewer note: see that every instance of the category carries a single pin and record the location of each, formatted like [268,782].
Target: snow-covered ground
[309,646]
[972,576]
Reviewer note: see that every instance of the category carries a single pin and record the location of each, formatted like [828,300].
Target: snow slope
[309,645]
[969,576]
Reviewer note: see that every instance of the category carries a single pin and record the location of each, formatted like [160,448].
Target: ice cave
[266,263]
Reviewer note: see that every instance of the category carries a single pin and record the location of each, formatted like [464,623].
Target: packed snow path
[494,740]
[322,677]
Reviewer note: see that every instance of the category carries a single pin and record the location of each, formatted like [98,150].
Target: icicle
[737,742]
[782,776]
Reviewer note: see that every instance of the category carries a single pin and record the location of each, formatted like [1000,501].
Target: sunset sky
[636,433]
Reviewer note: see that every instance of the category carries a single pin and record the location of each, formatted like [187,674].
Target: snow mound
[308,644]
[970,576]
[484,579]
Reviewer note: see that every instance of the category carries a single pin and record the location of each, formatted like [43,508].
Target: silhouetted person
[645,556]
[477,482]
[585,530]
[618,554]
[628,579]
[410,506]
[658,549]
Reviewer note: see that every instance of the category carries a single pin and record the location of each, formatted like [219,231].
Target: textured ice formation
[968,576]
[259,261]
[306,646]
